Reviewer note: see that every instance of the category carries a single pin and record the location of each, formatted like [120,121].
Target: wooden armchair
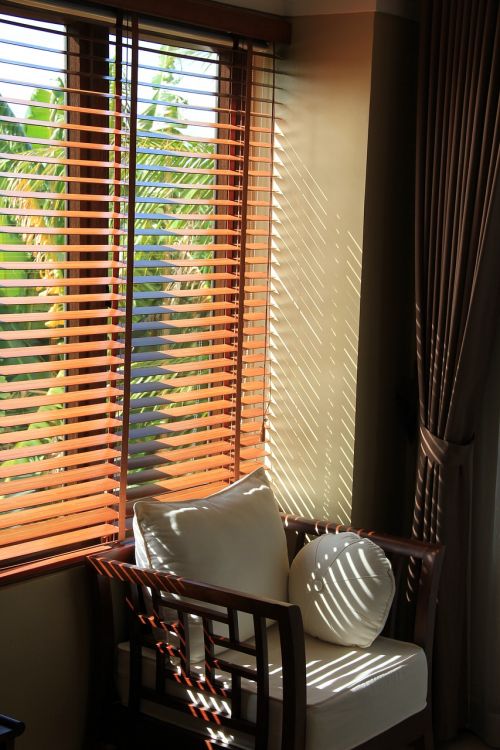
[245,694]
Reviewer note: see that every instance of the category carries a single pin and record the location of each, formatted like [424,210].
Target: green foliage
[31,177]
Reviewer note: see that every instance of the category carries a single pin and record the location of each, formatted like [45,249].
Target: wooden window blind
[135,212]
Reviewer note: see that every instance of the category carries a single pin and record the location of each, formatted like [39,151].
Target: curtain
[484,656]
[457,296]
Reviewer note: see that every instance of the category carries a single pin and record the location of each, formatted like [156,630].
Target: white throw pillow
[234,538]
[344,586]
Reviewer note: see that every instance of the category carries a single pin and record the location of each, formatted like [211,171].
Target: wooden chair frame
[416,566]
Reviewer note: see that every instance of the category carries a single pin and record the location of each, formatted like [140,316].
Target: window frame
[67,556]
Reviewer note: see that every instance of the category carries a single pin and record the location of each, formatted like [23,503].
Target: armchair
[278,690]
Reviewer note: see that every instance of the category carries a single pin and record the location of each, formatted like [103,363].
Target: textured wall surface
[323,119]
[44,658]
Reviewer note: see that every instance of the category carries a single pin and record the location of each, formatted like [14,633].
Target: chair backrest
[149,628]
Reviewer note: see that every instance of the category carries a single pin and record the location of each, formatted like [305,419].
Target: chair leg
[429,737]
[426,740]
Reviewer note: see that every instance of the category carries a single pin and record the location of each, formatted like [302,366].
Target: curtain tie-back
[444,452]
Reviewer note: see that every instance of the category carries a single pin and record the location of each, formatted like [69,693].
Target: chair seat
[353,694]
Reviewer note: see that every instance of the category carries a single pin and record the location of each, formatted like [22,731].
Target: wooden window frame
[221,20]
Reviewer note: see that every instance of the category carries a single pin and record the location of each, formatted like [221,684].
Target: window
[135,203]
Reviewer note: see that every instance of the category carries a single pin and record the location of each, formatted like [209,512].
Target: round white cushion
[344,586]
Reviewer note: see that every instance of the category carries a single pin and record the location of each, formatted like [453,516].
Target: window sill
[27,571]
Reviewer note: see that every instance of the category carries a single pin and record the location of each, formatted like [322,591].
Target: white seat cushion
[353,694]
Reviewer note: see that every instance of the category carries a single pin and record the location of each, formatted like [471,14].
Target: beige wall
[342,340]
[323,118]
[44,658]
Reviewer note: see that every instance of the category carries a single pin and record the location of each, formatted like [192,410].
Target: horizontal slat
[57,478]
[146,167]
[252,345]
[182,425]
[206,321]
[178,278]
[177,231]
[180,483]
[197,140]
[256,288]
[62,282]
[246,467]
[182,468]
[61,265]
[251,439]
[194,247]
[190,216]
[62,107]
[44,159]
[47,195]
[51,415]
[62,364]
[181,411]
[251,413]
[190,439]
[59,213]
[252,358]
[190,186]
[183,351]
[251,427]
[253,385]
[61,381]
[60,446]
[53,510]
[166,368]
[71,492]
[56,144]
[90,425]
[184,395]
[60,332]
[47,351]
[185,308]
[254,330]
[254,316]
[56,542]
[212,124]
[186,262]
[57,525]
[253,372]
[50,464]
[250,400]
[251,453]
[34,402]
[82,127]
[255,303]
[82,315]
[63,178]
[195,493]
[183,338]
[206,291]
[180,454]
[68,298]
[186,382]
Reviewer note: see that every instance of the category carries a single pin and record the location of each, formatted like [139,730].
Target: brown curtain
[457,298]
